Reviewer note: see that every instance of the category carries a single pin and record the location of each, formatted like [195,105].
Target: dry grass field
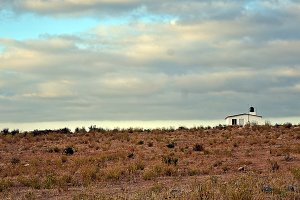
[253,162]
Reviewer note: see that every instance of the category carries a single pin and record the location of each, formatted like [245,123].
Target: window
[241,122]
[234,122]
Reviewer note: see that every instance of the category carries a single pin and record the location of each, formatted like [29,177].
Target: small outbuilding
[245,118]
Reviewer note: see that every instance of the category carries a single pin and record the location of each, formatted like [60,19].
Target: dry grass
[254,162]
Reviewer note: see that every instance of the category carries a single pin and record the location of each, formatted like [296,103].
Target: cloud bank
[153,60]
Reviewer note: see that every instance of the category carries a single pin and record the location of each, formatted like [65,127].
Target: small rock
[241,168]
[290,188]
[26,165]
[288,157]
[267,189]
[175,192]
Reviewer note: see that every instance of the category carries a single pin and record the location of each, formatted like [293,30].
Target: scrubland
[252,162]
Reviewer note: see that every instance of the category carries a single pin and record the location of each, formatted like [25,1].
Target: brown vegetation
[252,162]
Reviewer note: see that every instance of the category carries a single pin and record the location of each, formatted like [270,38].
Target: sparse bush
[5,184]
[64,159]
[15,132]
[153,172]
[296,173]
[113,174]
[217,163]
[287,125]
[138,165]
[88,174]
[202,191]
[150,144]
[54,150]
[5,131]
[170,160]
[182,128]
[80,130]
[274,166]
[15,161]
[50,181]
[33,182]
[141,142]
[198,147]
[130,155]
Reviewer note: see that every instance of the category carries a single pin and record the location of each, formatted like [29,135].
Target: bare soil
[252,162]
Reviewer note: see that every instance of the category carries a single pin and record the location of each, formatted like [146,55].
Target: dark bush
[14,132]
[171,145]
[150,144]
[287,125]
[130,155]
[69,151]
[274,166]
[198,147]
[80,130]
[15,161]
[5,131]
[182,128]
[141,142]
[95,129]
[64,131]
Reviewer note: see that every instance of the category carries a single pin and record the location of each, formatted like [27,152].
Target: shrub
[153,172]
[202,191]
[171,145]
[15,161]
[89,174]
[50,181]
[113,174]
[14,132]
[130,155]
[33,182]
[80,130]
[182,128]
[169,160]
[274,166]
[69,151]
[296,173]
[64,159]
[287,125]
[198,147]
[5,184]
[132,168]
[54,150]
[141,142]
[150,144]
[5,131]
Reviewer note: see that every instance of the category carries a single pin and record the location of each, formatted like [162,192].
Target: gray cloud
[209,59]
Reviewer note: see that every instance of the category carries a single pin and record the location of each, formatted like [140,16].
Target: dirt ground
[252,162]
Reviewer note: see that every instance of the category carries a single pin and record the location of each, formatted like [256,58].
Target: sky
[68,60]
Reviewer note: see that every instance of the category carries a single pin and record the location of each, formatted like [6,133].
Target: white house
[245,118]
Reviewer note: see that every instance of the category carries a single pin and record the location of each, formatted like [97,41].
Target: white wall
[252,119]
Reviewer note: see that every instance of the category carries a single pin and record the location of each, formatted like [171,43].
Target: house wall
[252,119]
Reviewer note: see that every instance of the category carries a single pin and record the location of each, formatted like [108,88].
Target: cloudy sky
[63,60]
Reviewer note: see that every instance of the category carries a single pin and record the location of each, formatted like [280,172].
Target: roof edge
[243,114]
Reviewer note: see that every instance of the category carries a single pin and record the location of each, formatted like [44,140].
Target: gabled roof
[243,114]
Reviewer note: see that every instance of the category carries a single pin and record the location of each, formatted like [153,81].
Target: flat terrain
[253,162]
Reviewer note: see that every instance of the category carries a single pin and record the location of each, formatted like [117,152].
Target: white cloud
[199,56]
